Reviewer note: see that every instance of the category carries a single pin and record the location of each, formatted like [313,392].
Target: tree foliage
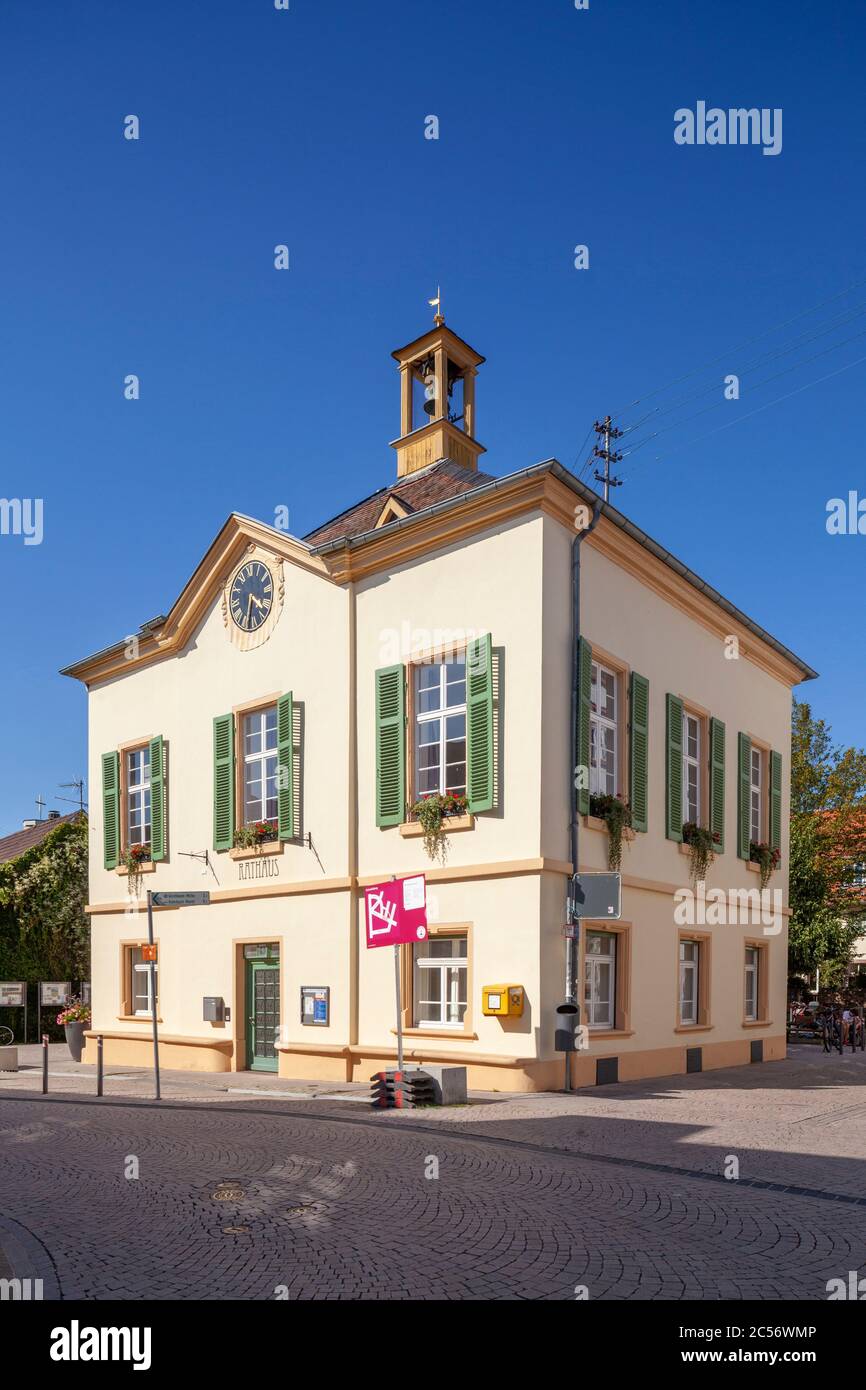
[828,839]
[44,930]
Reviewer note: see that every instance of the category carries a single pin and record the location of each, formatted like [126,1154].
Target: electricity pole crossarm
[607,431]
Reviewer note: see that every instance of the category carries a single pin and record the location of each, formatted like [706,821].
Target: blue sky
[261,388]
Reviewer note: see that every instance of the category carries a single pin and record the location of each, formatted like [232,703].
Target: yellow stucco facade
[497,561]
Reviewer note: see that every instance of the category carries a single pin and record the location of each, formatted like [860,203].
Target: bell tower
[437,401]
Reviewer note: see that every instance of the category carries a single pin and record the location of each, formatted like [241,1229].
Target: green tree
[828,837]
[44,930]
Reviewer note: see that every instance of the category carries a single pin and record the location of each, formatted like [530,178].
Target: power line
[647,395]
[775,377]
[802,340]
[776,401]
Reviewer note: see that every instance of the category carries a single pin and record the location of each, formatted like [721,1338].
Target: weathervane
[437,305]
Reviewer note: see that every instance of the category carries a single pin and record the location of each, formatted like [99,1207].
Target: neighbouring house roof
[436,483]
[11,846]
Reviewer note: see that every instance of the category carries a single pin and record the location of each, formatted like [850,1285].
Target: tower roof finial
[436,304]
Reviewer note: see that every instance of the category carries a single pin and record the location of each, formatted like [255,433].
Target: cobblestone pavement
[328,1200]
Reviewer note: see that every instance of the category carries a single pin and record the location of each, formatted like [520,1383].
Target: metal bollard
[99,1065]
[44,1064]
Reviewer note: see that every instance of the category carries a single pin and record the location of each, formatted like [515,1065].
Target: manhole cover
[236,1230]
[228,1192]
[306,1209]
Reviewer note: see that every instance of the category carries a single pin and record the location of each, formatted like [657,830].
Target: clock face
[251,596]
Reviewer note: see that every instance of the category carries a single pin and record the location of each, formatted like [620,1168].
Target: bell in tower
[437,374]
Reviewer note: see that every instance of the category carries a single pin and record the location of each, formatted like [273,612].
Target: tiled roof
[13,845]
[433,484]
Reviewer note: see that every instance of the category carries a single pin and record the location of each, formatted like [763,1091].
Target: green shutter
[775,801]
[673,767]
[111,809]
[157,798]
[717,782]
[390,745]
[286,769]
[479,724]
[638,749]
[223,781]
[744,761]
[584,698]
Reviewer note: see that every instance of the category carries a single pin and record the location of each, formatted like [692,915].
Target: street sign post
[163,900]
[394,913]
[180,899]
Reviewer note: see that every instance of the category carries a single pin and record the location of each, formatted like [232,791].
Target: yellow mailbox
[502,1001]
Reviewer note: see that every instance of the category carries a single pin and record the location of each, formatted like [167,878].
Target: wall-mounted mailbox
[214,1009]
[502,1001]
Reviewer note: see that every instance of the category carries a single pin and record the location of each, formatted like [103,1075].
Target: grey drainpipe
[571,954]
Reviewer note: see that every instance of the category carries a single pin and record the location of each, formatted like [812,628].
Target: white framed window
[756,793]
[440,728]
[441,968]
[138,796]
[260,765]
[603,722]
[690,956]
[599,988]
[140,991]
[753,966]
[691,768]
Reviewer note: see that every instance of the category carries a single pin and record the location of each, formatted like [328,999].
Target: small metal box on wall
[502,1001]
[213,1008]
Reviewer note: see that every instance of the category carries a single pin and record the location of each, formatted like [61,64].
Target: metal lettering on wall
[258,868]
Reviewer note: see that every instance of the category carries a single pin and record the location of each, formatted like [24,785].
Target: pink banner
[396,911]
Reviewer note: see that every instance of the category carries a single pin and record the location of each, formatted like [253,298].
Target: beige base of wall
[341,1064]
[175,1054]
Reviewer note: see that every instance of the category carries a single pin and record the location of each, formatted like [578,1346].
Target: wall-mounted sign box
[54,991]
[315,1006]
[12,995]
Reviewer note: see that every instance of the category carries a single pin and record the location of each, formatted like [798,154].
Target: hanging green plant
[431,812]
[132,859]
[616,814]
[702,845]
[766,858]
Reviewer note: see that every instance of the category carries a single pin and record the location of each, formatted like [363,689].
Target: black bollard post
[44,1064]
[99,1065]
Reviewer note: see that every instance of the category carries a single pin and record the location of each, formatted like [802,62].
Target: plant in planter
[702,845]
[431,812]
[255,834]
[132,859]
[765,857]
[74,1019]
[616,814]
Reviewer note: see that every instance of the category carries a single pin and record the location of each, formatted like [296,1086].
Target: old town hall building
[303,696]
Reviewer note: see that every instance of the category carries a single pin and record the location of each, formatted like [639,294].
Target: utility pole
[607,431]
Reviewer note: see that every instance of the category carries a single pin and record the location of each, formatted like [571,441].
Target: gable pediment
[240,536]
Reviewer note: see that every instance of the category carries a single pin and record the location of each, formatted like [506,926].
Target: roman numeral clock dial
[251,596]
[252,600]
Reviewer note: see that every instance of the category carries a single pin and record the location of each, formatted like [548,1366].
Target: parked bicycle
[7,1037]
[831,1030]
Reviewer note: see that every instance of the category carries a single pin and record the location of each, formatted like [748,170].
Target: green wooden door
[263,1013]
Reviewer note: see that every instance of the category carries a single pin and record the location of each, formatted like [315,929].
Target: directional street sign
[180,899]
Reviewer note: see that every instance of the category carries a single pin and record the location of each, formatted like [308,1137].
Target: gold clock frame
[247,641]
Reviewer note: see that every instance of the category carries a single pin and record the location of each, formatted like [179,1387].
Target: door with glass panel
[263,1006]
[600,979]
